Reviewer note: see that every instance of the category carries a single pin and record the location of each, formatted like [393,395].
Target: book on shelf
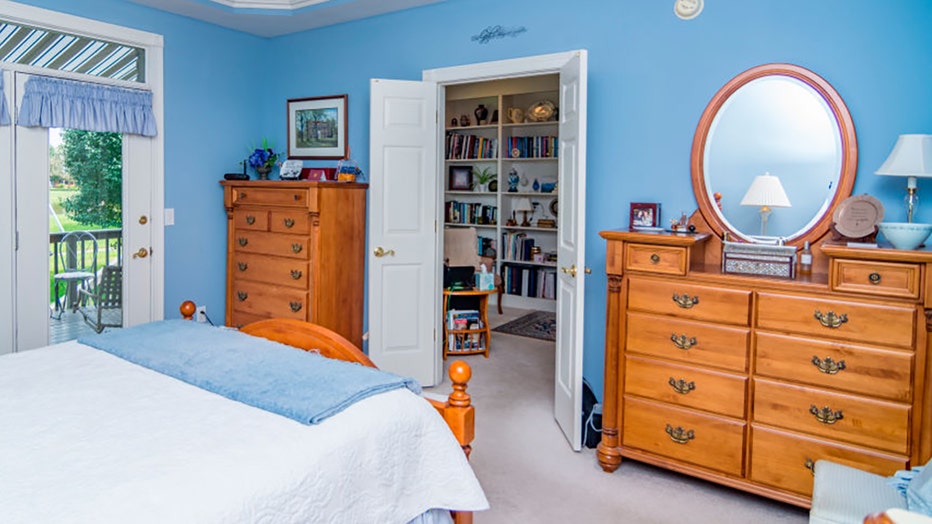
[459,146]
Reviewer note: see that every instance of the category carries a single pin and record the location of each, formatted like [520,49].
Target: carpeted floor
[537,324]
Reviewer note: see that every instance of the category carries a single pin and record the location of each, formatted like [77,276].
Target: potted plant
[481,178]
[263,160]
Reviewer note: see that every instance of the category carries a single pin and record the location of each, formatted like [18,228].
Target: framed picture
[460,178]
[317,127]
[645,214]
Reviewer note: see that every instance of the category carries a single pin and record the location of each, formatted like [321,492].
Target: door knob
[381,252]
[143,220]
[142,253]
[571,271]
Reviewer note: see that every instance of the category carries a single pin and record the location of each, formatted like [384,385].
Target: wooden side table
[466,341]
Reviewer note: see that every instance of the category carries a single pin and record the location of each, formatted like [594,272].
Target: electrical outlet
[201,315]
[597,409]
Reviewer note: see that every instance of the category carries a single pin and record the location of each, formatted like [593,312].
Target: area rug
[539,324]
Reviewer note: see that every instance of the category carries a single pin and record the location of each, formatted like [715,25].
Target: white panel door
[571,250]
[404,276]
[7,240]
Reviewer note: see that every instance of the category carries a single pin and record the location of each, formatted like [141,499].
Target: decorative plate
[540,111]
[554,207]
[857,216]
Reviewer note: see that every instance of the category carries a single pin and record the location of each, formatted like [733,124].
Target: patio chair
[103,307]
[77,259]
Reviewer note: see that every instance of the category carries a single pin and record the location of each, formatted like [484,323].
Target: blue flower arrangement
[263,156]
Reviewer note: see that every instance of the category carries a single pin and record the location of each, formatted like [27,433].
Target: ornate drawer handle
[682,341]
[289,222]
[297,197]
[655,258]
[680,435]
[810,465]
[242,295]
[296,247]
[250,219]
[874,278]
[243,241]
[242,194]
[828,366]
[296,274]
[295,306]
[830,319]
[826,415]
[681,386]
[685,301]
[242,266]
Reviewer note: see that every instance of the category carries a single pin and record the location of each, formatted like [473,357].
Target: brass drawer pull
[680,435]
[297,197]
[681,386]
[826,415]
[830,319]
[250,219]
[682,341]
[828,366]
[289,222]
[295,306]
[685,301]
[654,258]
[874,278]
[296,247]
[242,295]
[810,465]
[243,241]
[296,274]
[242,266]
[242,194]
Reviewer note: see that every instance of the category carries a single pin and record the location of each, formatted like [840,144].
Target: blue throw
[281,379]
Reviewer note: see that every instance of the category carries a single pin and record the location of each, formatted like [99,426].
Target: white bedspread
[87,437]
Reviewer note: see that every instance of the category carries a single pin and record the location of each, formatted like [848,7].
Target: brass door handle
[680,435]
[381,252]
[571,271]
[681,386]
[830,319]
[828,366]
[826,415]
[142,253]
[685,301]
[682,342]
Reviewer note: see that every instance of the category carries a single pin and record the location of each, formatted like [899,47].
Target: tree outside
[94,161]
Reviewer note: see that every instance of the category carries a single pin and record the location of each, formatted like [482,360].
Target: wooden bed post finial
[460,373]
[187,309]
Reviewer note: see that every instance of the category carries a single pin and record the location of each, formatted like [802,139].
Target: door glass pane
[85,232]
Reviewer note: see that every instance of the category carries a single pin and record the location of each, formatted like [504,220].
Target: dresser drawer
[705,440]
[294,222]
[277,244]
[686,300]
[266,196]
[669,260]
[269,301]
[786,460]
[289,272]
[885,279]
[691,387]
[855,419]
[836,365]
[872,323]
[251,219]
[688,341]
[241,318]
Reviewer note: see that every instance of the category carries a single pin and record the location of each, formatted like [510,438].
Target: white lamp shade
[911,156]
[524,204]
[766,190]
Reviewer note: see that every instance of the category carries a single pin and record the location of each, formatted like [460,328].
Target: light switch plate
[169,216]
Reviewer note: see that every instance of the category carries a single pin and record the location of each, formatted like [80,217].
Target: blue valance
[4,113]
[55,102]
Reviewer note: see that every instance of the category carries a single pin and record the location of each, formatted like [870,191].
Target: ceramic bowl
[905,235]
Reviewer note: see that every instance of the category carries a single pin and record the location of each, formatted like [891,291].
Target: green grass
[56,197]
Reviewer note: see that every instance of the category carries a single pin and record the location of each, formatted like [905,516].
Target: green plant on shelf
[482,177]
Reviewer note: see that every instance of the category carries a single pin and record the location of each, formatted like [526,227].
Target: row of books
[466,147]
[532,146]
[535,282]
[470,213]
[517,246]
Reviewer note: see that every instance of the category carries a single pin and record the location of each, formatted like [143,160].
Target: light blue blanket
[264,374]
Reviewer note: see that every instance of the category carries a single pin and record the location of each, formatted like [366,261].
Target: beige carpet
[530,474]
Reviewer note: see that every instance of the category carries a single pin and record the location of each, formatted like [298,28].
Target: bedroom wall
[650,77]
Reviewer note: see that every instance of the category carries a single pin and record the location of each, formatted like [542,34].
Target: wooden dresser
[296,249]
[747,381]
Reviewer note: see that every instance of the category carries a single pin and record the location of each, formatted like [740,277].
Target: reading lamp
[911,157]
[524,205]
[766,192]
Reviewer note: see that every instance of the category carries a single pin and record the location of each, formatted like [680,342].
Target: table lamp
[524,205]
[911,157]
[765,192]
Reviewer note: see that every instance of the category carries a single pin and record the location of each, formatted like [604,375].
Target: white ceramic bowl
[905,235]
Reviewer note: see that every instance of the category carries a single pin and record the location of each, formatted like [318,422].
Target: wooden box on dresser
[296,249]
[747,381]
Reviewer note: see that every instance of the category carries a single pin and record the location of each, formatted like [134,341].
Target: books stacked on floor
[459,322]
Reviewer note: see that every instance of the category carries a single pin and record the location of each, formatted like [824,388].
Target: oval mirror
[780,120]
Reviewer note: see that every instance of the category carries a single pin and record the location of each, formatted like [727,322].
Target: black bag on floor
[591,417]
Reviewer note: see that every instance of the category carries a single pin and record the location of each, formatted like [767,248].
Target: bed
[86,436]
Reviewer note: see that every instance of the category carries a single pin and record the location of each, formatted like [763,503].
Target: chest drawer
[786,460]
[669,260]
[885,279]
[269,301]
[265,196]
[841,366]
[295,222]
[711,391]
[251,219]
[858,420]
[686,300]
[866,322]
[289,272]
[688,341]
[277,244]
[705,440]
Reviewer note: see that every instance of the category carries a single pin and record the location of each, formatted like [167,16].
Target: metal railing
[109,252]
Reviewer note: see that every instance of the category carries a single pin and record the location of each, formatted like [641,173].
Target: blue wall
[650,77]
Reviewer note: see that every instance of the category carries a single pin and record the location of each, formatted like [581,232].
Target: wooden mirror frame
[849,145]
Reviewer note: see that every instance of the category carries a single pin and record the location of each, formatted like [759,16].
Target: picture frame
[645,214]
[460,178]
[317,128]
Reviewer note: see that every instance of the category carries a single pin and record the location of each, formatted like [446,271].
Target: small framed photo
[314,174]
[645,214]
[317,128]
[460,178]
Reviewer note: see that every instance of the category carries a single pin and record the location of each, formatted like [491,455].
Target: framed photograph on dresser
[644,214]
[317,127]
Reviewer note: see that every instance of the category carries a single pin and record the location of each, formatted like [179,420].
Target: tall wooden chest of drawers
[296,249]
[748,381]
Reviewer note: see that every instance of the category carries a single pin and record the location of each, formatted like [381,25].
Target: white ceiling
[270,18]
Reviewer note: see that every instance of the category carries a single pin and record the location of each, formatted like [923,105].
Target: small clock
[856,217]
